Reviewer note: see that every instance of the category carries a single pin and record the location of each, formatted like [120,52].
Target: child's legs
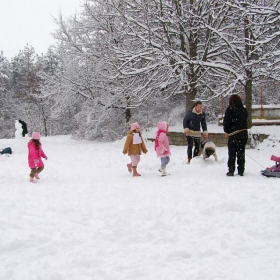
[164,161]
[35,170]
[135,159]
[40,169]
[32,172]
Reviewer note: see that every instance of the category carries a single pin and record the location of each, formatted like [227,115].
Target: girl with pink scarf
[162,146]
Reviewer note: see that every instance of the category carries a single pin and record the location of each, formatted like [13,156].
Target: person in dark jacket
[235,128]
[193,119]
[24,127]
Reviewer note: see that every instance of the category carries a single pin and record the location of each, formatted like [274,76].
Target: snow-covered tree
[6,109]
[30,104]
[252,36]
[121,58]
[88,78]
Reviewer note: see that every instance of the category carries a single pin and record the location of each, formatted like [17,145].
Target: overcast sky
[30,22]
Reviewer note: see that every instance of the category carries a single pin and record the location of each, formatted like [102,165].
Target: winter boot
[31,180]
[160,169]
[129,167]
[189,161]
[135,173]
[37,176]
[163,172]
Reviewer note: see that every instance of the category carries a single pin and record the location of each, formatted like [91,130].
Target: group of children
[134,145]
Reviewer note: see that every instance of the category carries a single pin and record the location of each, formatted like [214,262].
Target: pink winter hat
[275,158]
[134,126]
[162,125]
[36,135]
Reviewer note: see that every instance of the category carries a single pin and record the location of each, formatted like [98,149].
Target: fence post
[261,100]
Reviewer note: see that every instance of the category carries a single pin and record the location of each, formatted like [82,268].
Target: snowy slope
[88,218]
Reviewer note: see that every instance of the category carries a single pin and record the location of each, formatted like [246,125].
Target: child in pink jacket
[35,154]
[162,146]
[276,167]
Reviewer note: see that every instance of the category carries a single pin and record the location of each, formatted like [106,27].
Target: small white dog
[208,149]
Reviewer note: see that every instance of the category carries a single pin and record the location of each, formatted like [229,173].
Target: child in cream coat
[133,146]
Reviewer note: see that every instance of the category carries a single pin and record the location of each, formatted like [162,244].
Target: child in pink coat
[162,146]
[35,154]
[276,167]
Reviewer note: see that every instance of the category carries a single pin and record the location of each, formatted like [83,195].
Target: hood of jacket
[195,112]
[162,126]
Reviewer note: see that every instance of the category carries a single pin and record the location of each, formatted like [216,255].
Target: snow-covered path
[88,218]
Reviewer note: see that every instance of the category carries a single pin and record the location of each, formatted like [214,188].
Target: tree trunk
[127,115]
[190,96]
[45,127]
[249,48]
[192,75]
[248,96]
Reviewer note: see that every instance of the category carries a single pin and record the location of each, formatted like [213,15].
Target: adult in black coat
[24,127]
[235,128]
[193,119]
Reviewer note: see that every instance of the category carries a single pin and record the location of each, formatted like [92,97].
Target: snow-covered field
[89,219]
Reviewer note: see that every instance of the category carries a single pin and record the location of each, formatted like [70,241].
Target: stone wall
[266,111]
[179,139]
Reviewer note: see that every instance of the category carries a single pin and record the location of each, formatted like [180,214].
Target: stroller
[273,171]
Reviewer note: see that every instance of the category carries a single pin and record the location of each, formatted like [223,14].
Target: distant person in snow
[35,154]
[235,128]
[133,146]
[162,146]
[24,127]
[193,120]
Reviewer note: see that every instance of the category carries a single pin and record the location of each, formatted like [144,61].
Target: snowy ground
[89,219]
